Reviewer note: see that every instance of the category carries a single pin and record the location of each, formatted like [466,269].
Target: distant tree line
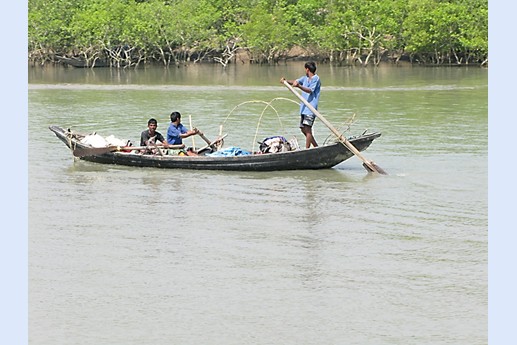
[168,32]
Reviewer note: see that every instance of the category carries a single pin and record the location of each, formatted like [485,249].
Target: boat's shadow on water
[332,175]
[338,171]
[342,173]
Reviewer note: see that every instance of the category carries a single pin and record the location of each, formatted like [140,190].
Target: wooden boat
[321,157]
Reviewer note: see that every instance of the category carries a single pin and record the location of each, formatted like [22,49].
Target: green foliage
[172,31]
[49,24]
[442,31]
[268,34]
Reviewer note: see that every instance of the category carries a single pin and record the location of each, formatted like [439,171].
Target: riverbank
[244,57]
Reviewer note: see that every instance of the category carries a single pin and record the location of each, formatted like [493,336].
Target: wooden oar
[201,135]
[159,149]
[92,151]
[368,165]
[209,143]
[205,138]
[190,121]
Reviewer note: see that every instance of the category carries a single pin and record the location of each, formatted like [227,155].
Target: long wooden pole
[369,165]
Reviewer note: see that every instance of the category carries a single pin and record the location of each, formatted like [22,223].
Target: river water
[121,255]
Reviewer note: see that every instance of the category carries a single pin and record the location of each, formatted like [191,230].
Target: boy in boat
[310,84]
[150,137]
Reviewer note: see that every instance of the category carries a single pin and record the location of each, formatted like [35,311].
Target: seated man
[177,132]
[150,137]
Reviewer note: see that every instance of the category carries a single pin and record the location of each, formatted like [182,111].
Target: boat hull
[321,157]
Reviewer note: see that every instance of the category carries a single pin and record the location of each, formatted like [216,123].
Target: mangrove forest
[132,33]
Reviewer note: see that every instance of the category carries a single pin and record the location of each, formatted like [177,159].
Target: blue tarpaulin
[230,151]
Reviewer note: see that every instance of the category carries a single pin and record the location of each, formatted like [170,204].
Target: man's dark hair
[311,65]
[153,121]
[174,116]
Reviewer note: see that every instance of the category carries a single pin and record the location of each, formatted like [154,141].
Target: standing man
[310,84]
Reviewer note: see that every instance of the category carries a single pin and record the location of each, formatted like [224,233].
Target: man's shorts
[307,120]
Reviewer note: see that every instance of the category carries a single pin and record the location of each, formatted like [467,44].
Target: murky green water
[124,255]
